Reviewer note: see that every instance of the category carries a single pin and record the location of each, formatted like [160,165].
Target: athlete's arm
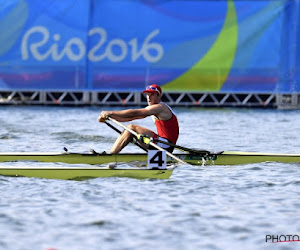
[125,115]
[159,110]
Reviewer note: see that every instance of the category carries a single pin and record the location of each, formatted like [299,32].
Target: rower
[164,117]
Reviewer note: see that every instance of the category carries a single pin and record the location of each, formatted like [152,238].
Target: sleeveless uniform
[167,130]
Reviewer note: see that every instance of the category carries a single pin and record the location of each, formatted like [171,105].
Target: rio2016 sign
[180,45]
[75,49]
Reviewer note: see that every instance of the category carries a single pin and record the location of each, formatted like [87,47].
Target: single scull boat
[199,158]
[191,156]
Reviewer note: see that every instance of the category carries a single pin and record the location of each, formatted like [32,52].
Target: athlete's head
[153,93]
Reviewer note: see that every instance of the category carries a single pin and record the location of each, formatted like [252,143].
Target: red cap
[153,88]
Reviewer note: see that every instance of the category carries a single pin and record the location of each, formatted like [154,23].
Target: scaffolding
[128,98]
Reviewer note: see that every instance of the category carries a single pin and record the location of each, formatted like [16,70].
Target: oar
[150,142]
[118,131]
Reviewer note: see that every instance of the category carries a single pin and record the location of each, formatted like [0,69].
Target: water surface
[213,207]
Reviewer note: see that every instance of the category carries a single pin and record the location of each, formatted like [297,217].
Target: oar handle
[150,142]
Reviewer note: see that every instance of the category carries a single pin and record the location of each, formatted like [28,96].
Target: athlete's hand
[104,116]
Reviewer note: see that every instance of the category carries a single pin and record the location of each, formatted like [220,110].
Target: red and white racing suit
[167,130]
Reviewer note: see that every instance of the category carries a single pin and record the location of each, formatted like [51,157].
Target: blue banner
[218,46]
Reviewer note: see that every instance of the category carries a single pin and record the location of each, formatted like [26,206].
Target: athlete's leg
[126,137]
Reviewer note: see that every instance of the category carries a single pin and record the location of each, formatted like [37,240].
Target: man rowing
[165,121]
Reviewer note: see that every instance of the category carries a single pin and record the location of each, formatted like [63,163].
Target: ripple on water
[8,136]
[71,136]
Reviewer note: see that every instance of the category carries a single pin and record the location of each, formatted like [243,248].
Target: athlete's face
[153,98]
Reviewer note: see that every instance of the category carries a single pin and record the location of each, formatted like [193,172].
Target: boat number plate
[157,159]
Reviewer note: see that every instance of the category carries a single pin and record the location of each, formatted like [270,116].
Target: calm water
[214,207]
